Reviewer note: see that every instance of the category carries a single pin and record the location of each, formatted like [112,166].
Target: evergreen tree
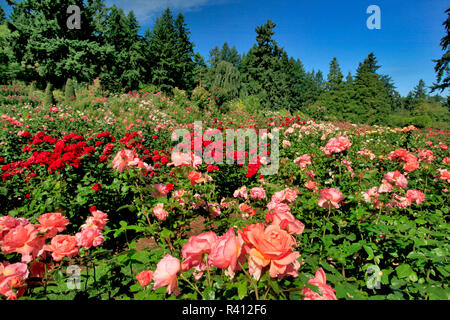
[49,99]
[200,70]
[185,54]
[442,67]
[69,92]
[335,76]
[49,51]
[262,70]
[372,103]
[230,55]
[420,91]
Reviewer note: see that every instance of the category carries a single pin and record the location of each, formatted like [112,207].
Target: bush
[49,99]
[69,92]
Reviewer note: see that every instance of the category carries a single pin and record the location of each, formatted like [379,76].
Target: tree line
[36,45]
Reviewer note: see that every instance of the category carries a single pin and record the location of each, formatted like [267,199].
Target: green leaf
[404,271]
[242,289]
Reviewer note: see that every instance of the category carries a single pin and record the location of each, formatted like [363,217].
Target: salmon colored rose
[52,223]
[23,240]
[144,277]
[13,276]
[62,246]
[159,212]
[166,274]
[271,247]
[226,253]
[286,221]
[330,198]
[320,281]
[194,250]
[337,145]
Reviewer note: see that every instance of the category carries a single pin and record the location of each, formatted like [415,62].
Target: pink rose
[166,274]
[62,246]
[336,145]
[13,276]
[194,250]
[159,212]
[286,221]
[226,252]
[330,197]
[320,280]
[89,237]
[52,223]
[258,193]
[415,195]
[144,277]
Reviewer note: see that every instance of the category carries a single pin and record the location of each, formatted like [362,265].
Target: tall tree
[442,67]
[262,69]
[335,76]
[163,48]
[371,96]
[47,48]
[185,54]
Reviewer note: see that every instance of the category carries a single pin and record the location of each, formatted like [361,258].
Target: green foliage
[49,99]
[69,90]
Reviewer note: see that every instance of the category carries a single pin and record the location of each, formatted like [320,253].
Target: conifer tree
[442,67]
[335,76]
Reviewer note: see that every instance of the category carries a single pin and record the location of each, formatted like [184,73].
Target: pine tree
[442,67]
[230,55]
[50,51]
[185,54]
[371,97]
[335,76]
[163,48]
[262,70]
[420,91]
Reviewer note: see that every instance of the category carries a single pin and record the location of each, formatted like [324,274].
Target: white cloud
[146,10]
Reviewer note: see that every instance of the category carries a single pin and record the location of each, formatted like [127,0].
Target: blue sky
[315,31]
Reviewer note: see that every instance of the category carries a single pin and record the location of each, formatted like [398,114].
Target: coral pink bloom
[97,220]
[159,212]
[241,192]
[411,163]
[330,197]
[311,185]
[166,274]
[89,237]
[7,223]
[396,179]
[286,221]
[195,177]
[303,161]
[226,253]
[286,195]
[23,240]
[444,174]
[278,207]
[13,276]
[161,191]
[401,202]
[426,156]
[144,277]
[125,158]
[415,195]
[52,223]
[270,246]
[320,281]
[180,159]
[446,160]
[194,250]
[336,145]
[62,246]
[258,193]
[370,194]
